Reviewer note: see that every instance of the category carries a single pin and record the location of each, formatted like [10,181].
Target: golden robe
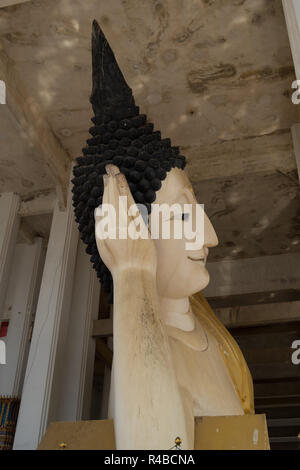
[229,349]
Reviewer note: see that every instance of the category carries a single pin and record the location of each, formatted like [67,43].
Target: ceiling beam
[253,275]
[36,127]
[254,298]
[39,203]
[8,3]
[260,314]
[264,153]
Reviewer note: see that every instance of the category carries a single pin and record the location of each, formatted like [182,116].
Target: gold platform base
[247,432]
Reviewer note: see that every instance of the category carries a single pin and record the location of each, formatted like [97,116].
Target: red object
[3,328]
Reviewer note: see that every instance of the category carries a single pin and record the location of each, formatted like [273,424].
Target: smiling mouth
[197,259]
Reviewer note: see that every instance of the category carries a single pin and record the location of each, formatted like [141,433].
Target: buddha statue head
[153,168]
[181,271]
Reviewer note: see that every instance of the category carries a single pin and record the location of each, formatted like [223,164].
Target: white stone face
[179,274]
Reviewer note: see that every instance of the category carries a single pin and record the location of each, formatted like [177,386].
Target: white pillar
[76,386]
[45,365]
[292,16]
[9,225]
[19,307]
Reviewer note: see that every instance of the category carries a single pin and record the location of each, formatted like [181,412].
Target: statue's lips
[197,259]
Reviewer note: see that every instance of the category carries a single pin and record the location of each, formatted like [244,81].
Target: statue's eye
[185,216]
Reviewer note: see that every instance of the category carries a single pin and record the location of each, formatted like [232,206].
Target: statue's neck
[177,313]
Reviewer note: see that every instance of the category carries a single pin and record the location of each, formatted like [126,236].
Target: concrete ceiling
[21,169]
[214,75]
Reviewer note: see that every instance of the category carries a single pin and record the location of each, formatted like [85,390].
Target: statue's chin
[206,279]
[183,288]
[201,282]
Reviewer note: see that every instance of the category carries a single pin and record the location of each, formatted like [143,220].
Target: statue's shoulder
[203,311]
[230,350]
